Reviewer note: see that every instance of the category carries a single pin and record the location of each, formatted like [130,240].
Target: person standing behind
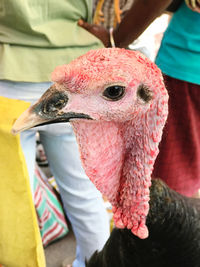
[37,36]
[178,162]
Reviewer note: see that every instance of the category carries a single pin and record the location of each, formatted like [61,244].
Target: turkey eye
[114,92]
[144,93]
[57,102]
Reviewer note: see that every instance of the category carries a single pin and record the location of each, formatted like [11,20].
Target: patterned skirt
[178,162]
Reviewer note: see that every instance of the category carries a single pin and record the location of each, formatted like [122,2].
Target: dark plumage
[174,235]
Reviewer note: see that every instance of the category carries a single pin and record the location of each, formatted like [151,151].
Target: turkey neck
[173,241]
[174,222]
[170,207]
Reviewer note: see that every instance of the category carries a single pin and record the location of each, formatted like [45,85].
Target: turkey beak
[47,110]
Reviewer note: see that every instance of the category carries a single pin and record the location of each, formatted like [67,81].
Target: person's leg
[28,143]
[83,203]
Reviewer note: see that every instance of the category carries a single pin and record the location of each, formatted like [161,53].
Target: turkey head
[116,101]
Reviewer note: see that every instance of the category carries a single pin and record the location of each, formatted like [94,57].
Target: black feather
[174,235]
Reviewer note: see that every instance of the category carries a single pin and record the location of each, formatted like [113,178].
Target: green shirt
[38,35]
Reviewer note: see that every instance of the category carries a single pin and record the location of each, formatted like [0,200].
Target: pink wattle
[119,168]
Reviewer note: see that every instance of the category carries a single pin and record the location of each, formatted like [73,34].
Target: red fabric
[178,162]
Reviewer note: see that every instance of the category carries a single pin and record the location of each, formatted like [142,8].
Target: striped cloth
[49,211]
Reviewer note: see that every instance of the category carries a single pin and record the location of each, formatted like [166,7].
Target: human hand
[194,5]
[99,31]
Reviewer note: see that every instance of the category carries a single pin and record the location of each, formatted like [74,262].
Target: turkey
[117,103]
[174,235]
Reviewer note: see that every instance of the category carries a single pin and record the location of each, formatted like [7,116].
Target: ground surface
[62,251]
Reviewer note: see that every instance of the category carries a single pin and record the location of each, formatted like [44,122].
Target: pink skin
[119,146]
